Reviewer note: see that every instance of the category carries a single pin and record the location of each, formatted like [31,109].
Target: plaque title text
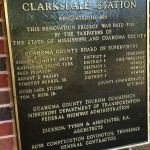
[53,6]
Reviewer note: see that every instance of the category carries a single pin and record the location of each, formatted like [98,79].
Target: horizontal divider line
[4,89]
[7,137]
[3,37]
[7,121]
[6,105]
[3,55]
[4,72]
[2,20]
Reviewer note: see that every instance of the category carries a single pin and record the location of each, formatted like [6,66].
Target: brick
[6,129]
[1,46]
[1,11]
[1,29]
[4,97]
[2,63]
[7,144]
[3,80]
[5,114]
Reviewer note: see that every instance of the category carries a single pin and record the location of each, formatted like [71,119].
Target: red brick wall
[7,136]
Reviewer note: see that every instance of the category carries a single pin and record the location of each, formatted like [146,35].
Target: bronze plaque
[79,70]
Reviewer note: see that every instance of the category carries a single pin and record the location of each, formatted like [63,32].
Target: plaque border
[12,77]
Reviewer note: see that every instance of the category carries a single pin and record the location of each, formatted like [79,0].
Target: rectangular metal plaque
[79,71]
